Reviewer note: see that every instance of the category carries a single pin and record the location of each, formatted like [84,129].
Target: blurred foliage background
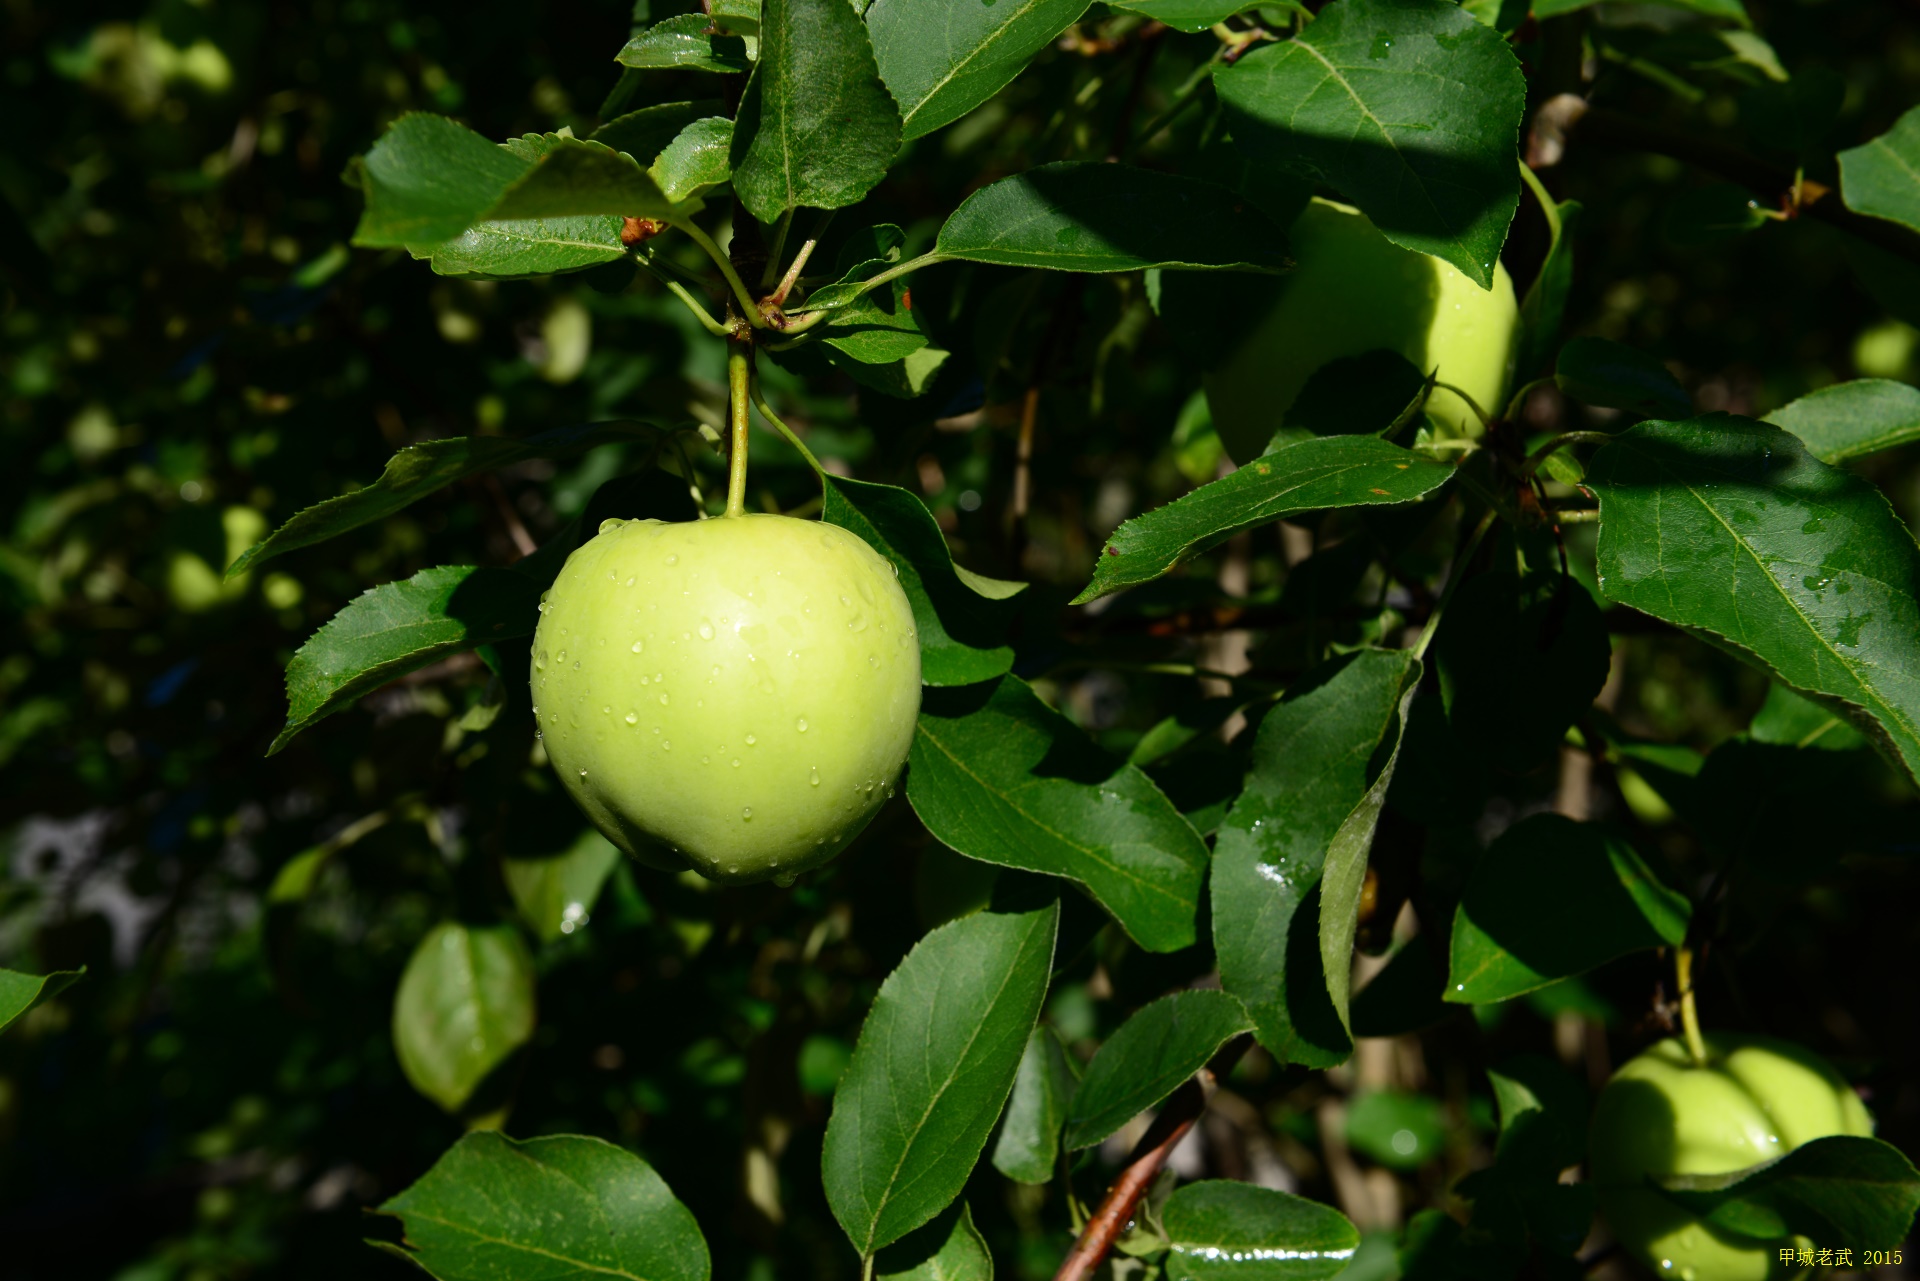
[191,354]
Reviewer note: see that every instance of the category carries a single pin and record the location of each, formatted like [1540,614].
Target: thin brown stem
[1116,1209]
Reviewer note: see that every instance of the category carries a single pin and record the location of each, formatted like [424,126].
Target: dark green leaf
[1520,661]
[1616,376]
[686,42]
[572,177]
[399,627]
[999,776]
[21,992]
[1029,1142]
[941,60]
[696,161]
[949,1248]
[816,127]
[1553,898]
[1791,813]
[528,247]
[1152,1054]
[1732,528]
[645,133]
[1365,395]
[1882,177]
[1316,767]
[1399,1130]
[1188,15]
[935,1061]
[962,627]
[1309,475]
[1545,305]
[492,1209]
[428,179]
[464,1006]
[1840,1188]
[865,254]
[1849,419]
[1543,1115]
[1085,216]
[1224,1231]
[555,894]
[1410,108]
[419,470]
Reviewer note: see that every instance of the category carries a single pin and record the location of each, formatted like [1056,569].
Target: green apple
[1755,1099]
[1353,291]
[734,695]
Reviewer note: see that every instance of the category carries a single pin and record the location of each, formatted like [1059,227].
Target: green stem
[760,403]
[739,377]
[693,304]
[748,308]
[1547,206]
[1689,1013]
[1546,451]
[1463,394]
[807,320]
[1460,566]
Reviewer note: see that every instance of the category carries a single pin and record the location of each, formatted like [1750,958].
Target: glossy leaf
[1616,376]
[1029,1142]
[21,992]
[696,161]
[1226,1231]
[999,776]
[492,1209]
[1188,15]
[428,179]
[1410,108]
[1087,216]
[941,60]
[529,247]
[1731,528]
[949,1248]
[1149,1057]
[685,42]
[962,629]
[399,627]
[816,127]
[1882,177]
[555,895]
[419,470]
[1309,475]
[936,1058]
[464,1006]
[572,176]
[1553,898]
[1317,763]
[1520,661]
[1840,1188]
[1854,418]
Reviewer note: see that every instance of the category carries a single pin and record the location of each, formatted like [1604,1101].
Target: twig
[1117,1208]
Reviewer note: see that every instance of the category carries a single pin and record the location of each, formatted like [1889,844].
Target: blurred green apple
[734,695]
[1353,291]
[1755,1099]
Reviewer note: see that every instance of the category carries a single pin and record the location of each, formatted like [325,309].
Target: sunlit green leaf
[464,1006]
[21,992]
[1882,177]
[942,60]
[1854,418]
[1226,1231]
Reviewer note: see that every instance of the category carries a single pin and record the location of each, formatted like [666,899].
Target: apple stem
[1689,1015]
[739,374]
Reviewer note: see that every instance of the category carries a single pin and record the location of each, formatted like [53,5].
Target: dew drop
[736,762]
[663,700]
[813,776]
[785,880]
[673,559]
[705,759]
[801,724]
[576,664]
[746,811]
[563,655]
[540,660]
[629,580]
[637,646]
[706,630]
[583,773]
[632,719]
[665,745]
[606,711]
[751,740]
[716,669]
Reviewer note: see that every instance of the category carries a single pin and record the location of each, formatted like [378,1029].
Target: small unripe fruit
[1755,1099]
[733,695]
[1353,291]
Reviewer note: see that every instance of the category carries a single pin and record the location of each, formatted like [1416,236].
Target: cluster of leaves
[1142,893]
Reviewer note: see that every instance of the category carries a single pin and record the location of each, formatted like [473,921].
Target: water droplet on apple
[665,745]
[785,880]
[663,700]
[637,646]
[706,630]
[674,559]
[801,724]
[563,655]
[540,660]
[746,811]
[751,740]
[632,719]
[813,775]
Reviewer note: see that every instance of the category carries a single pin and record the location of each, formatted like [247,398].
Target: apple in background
[1352,291]
[735,695]
[1662,1114]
